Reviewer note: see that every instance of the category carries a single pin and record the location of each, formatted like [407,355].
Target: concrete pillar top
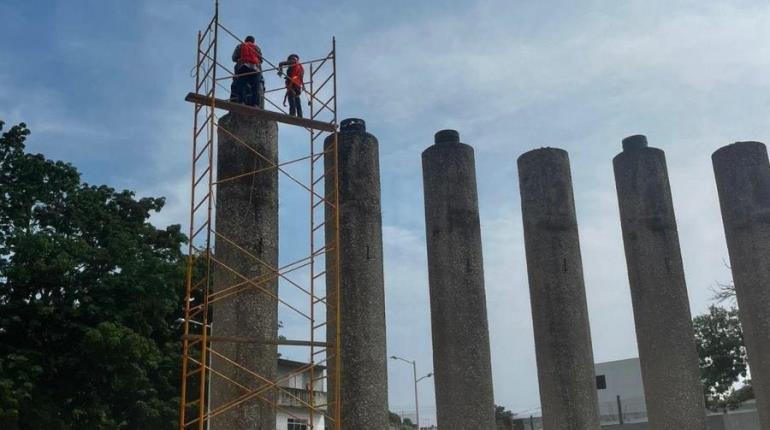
[635,142]
[545,152]
[740,148]
[353,124]
[447,136]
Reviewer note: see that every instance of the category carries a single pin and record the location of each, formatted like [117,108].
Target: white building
[291,413]
[619,388]
[620,380]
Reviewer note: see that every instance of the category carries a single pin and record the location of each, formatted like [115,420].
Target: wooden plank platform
[260,113]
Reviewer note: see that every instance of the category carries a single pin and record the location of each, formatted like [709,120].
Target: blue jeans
[248,87]
[295,103]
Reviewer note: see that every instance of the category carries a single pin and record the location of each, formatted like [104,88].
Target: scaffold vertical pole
[338,332]
[204,362]
[188,270]
[311,359]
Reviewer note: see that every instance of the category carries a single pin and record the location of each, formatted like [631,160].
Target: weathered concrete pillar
[364,387]
[664,334]
[565,363]
[743,181]
[246,217]
[461,358]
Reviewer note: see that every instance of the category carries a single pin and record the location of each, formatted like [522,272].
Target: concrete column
[743,181]
[364,387]
[565,363]
[664,334]
[461,358]
[247,215]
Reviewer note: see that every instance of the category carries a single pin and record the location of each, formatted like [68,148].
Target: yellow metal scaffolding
[307,274]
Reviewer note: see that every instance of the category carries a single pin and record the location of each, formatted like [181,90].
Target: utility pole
[416,380]
[416,398]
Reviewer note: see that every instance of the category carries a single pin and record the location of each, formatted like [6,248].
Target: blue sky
[101,84]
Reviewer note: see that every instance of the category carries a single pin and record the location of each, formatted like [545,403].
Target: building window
[601,382]
[295,424]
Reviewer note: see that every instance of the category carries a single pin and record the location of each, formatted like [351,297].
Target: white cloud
[686,77]
[408,314]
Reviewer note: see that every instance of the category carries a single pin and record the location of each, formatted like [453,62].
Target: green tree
[721,353]
[89,295]
[504,418]
[394,419]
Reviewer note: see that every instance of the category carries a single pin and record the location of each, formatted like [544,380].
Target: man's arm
[237,53]
[259,53]
[281,65]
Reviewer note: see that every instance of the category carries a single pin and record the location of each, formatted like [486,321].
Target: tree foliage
[394,418]
[721,353]
[504,418]
[89,295]
[395,421]
[723,293]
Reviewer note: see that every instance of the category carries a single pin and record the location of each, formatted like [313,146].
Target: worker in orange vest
[248,72]
[294,79]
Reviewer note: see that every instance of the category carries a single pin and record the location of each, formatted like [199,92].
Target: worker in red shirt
[294,79]
[248,72]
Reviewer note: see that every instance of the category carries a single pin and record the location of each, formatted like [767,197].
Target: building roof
[297,364]
[617,361]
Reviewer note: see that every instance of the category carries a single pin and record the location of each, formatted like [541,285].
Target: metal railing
[296,397]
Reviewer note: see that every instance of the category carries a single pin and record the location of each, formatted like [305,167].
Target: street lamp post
[416,380]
